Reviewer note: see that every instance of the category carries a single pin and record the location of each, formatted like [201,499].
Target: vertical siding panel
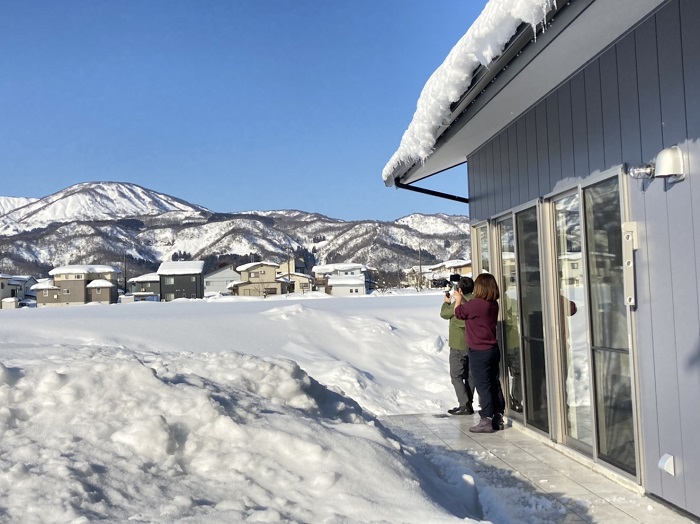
[490,182]
[522,160]
[497,175]
[505,170]
[580,131]
[553,142]
[659,259]
[542,146]
[533,181]
[475,186]
[513,165]
[610,106]
[690,18]
[631,140]
[594,118]
[683,260]
[566,131]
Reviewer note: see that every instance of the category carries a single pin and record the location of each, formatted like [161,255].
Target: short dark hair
[485,287]
[466,285]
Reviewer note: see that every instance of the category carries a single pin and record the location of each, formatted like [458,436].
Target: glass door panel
[483,243]
[573,317]
[509,305]
[532,330]
[613,381]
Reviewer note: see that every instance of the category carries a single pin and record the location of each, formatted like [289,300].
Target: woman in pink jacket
[480,316]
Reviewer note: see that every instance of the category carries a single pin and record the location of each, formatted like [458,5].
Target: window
[351,290]
[207,282]
[46,292]
[169,281]
[170,296]
[78,277]
[98,291]
[66,291]
[255,274]
[193,279]
[574,265]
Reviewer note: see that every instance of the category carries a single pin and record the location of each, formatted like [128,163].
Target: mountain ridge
[125,224]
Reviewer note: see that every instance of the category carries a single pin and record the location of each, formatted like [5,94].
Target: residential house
[181,279]
[16,286]
[78,284]
[582,149]
[259,279]
[295,272]
[444,273]
[145,287]
[360,279]
[218,281]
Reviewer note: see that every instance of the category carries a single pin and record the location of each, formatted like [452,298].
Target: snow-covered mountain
[110,223]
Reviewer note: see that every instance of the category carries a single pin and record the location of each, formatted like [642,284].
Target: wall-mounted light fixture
[667,165]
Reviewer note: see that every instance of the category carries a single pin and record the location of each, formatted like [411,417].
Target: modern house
[78,284]
[259,279]
[181,279]
[218,281]
[347,278]
[144,287]
[582,148]
[17,287]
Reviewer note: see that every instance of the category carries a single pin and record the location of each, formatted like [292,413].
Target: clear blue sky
[231,104]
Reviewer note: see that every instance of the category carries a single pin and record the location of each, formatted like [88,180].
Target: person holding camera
[480,315]
[460,373]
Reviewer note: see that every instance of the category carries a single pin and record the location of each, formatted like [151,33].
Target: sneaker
[461,410]
[485,425]
[497,422]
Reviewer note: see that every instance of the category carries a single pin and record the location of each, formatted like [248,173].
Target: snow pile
[234,409]
[483,42]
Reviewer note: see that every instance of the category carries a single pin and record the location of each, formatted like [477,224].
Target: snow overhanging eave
[582,29]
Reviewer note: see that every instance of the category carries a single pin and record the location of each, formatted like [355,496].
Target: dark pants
[461,376]
[484,364]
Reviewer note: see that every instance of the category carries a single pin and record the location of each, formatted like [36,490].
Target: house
[218,281]
[295,272]
[360,280]
[442,274]
[581,148]
[259,279]
[181,279]
[78,284]
[145,287]
[14,286]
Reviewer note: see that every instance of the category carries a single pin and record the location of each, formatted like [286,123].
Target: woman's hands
[458,297]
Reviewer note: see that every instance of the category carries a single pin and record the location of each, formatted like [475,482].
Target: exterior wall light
[667,165]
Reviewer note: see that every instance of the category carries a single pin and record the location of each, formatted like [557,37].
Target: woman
[480,315]
[460,375]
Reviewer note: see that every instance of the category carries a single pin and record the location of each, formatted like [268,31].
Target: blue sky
[230,104]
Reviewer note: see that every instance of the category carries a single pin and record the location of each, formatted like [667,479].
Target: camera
[447,294]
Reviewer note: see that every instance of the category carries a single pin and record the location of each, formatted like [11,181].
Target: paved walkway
[519,458]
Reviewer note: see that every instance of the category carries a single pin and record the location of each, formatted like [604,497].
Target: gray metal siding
[638,97]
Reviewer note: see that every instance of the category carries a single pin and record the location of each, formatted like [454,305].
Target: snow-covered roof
[148,277]
[83,269]
[236,283]
[251,265]
[343,280]
[181,267]
[46,283]
[483,42]
[344,266]
[100,282]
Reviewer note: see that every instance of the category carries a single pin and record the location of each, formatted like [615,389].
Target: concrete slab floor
[584,494]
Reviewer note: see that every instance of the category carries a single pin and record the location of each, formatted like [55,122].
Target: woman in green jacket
[459,356]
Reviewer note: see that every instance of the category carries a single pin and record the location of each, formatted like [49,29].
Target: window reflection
[573,320]
[509,305]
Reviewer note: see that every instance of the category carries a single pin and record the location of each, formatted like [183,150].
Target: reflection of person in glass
[480,315]
[512,352]
[459,358]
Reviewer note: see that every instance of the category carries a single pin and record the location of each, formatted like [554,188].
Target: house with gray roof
[181,279]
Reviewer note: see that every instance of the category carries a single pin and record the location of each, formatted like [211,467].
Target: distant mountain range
[135,228]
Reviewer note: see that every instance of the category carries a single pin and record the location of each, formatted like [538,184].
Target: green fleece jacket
[456,338]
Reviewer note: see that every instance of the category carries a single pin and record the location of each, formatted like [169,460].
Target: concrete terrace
[526,465]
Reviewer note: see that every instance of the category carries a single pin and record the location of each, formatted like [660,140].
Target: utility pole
[420,269]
